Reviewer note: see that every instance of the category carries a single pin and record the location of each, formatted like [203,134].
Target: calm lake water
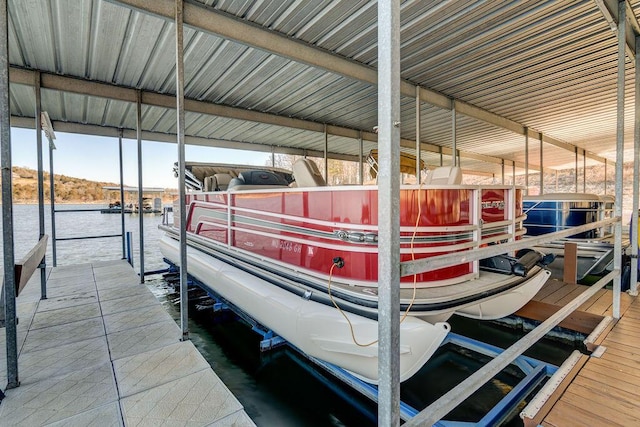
[278,387]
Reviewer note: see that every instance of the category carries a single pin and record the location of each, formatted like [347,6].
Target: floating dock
[600,388]
[101,350]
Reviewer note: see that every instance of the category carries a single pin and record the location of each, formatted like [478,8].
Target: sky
[96,158]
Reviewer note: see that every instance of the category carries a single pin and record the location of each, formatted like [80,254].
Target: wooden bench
[24,269]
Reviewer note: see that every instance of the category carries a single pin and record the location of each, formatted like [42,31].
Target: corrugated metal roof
[549,65]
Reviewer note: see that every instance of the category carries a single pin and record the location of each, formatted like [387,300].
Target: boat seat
[257,180]
[307,174]
[222,181]
[445,175]
[208,183]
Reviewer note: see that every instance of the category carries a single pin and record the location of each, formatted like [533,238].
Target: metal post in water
[124,250]
[617,248]
[184,295]
[389,212]
[140,215]
[7,206]
[43,264]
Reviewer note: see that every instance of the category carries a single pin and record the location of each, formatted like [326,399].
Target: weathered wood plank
[557,393]
[26,266]
[609,365]
[562,292]
[565,414]
[588,303]
[621,351]
[550,287]
[596,405]
[594,384]
[577,321]
[610,380]
[575,292]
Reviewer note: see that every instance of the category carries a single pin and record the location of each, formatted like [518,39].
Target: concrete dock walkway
[101,350]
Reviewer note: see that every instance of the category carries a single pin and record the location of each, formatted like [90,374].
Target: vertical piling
[38,123]
[184,296]
[7,205]
[389,212]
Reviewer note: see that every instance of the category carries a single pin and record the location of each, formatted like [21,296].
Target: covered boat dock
[508,90]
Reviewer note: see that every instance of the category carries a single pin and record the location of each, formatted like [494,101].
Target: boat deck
[555,294]
[601,389]
[101,350]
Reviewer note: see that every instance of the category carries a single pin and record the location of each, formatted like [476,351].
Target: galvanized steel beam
[633,281]
[184,285]
[7,206]
[617,248]
[121,168]
[140,215]
[38,125]
[611,11]
[389,212]
[126,94]
[230,27]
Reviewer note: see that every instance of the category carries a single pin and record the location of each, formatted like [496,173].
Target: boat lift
[535,371]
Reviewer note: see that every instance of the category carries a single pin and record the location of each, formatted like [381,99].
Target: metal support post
[52,197]
[273,156]
[454,142]
[184,293]
[7,205]
[140,215]
[124,243]
[617,248]
[541,166]
[361,155]
[441,156]
[513,173]
[43,264]
[502,170]
[389,212]
[326,155]
[526,160]
[418,148]
[633,282]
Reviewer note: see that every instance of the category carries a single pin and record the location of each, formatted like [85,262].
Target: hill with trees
[67,189]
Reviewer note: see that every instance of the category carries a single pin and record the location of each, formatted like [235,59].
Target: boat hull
[316,329]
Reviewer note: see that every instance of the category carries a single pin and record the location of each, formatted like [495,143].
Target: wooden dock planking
[549,288]
[605,390]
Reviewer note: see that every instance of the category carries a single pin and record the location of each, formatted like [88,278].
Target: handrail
[441,407]
[422,265]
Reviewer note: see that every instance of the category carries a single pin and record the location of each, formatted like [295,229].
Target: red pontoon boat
[301,258]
